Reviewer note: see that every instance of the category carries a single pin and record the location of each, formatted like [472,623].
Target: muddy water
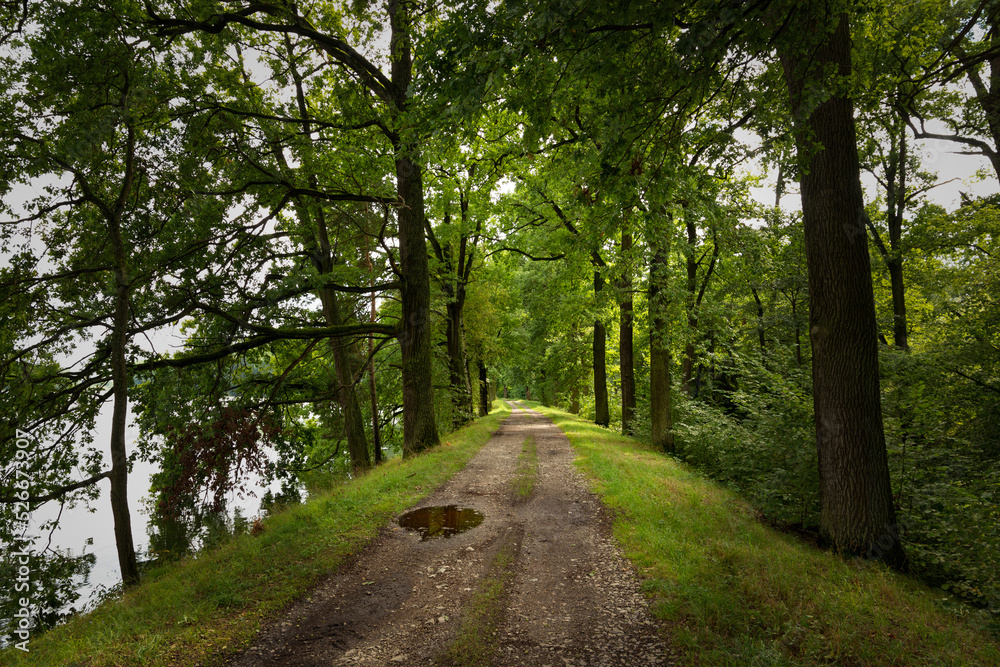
[442,521]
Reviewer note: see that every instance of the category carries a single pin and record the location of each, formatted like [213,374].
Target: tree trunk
[625,344]
[469,381]
[461,392]
[415,340]
[659,351]
[357,440]
[601,410]
[119,459]
[857,514]
[323,260]
[419,427]
[354,425]
[484,391]
[372,393]
[760,321]
[896,205]
[895,197]
[900,330]
[602,415]
[696,292]
[798,333]
[687,363]
[120,380]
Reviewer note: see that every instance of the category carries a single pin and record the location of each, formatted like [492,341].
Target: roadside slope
[198,611]
[734,591]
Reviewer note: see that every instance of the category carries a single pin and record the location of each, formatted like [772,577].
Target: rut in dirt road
[561,593]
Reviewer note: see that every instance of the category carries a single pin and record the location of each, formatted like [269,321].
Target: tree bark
[461,392]
[625,343]
[454,276]
[419,425]
[373,396]
[857,514]
[798,333]
[419,422]
[659,351]
[896,207]
[484,390]
[602,416]
[372,389]
[357,441]
[119,459]
[900,329]
[696,293]
[761,341]
[691,264]
[323,259]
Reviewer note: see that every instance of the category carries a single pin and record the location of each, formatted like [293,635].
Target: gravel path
[572,598]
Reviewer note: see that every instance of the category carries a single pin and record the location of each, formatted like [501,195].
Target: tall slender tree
[396,115]
[857,516]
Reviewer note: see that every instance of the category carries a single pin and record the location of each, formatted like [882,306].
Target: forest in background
[322,233]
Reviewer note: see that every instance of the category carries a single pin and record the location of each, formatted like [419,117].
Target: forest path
[539,582]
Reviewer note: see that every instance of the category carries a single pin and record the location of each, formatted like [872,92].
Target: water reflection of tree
[53,587]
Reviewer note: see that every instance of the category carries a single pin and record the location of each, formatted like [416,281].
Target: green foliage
[765,448]
[946,485]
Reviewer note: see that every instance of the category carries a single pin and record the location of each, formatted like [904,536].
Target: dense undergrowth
[737,592]
[201,609]
[946,485]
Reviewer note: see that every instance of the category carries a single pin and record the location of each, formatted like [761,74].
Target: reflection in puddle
[441,521]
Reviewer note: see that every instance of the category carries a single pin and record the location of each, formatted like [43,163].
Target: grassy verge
[523,481]
[202,609]
[735,592]
[478,637]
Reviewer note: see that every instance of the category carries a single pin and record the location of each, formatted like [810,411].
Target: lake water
[91,530]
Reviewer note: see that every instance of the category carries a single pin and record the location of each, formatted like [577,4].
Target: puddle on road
[443,521]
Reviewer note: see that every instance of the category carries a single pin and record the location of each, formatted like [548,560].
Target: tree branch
[533,258]
[58,492]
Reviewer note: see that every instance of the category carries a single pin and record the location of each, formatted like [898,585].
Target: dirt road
[565,594]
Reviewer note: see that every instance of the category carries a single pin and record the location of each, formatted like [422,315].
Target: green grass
[523,481]
[735,592]
[200,610]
